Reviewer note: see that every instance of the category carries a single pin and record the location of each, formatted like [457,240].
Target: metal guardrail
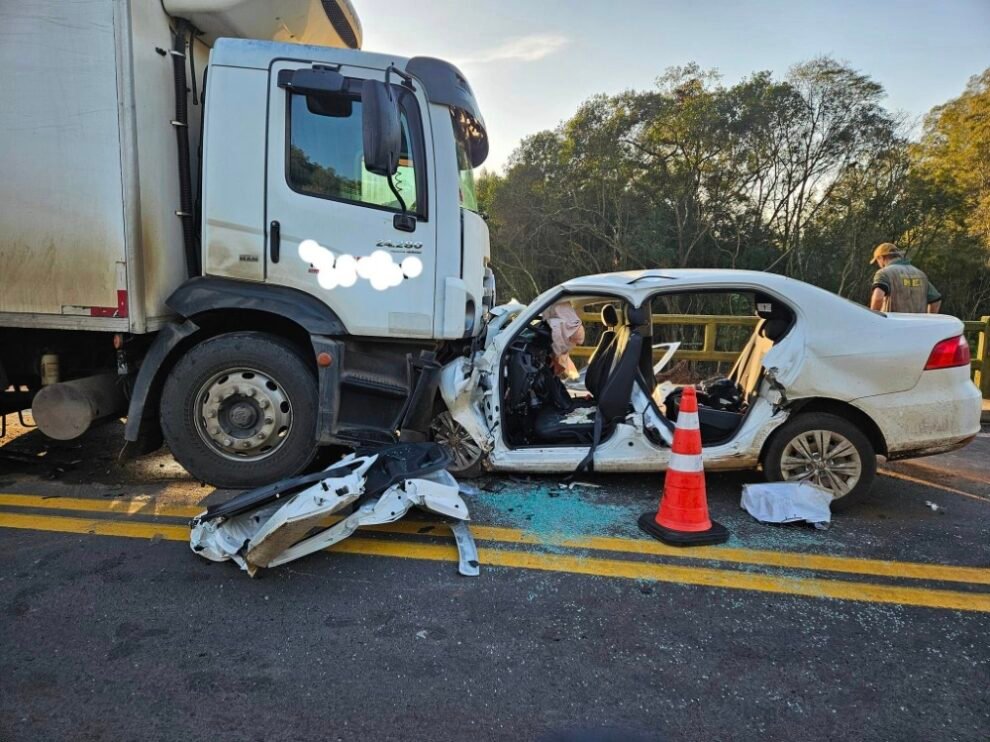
[709,347]
[977,332]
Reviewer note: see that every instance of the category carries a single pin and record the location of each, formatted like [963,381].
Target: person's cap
[886,250]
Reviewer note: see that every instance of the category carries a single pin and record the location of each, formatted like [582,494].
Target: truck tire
[827,450]
[239,410]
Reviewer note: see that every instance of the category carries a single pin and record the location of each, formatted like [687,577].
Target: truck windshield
[462,138]
[326,155]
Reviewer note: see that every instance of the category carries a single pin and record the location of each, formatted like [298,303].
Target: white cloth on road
[787,502]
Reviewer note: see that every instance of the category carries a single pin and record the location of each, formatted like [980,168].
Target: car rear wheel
[826,450]
[239,410]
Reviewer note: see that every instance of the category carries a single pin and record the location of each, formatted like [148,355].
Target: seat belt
[621,349]
[588,462]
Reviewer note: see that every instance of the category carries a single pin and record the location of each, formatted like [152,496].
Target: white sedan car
[822,387]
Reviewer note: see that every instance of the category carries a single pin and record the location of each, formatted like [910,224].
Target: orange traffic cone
[682,518]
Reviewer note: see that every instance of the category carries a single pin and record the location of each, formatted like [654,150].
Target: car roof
[816,304]
[694,278]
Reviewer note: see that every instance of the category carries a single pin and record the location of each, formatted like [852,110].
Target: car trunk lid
[921,333]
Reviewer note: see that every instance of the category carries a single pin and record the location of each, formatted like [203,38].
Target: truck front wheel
[239,410]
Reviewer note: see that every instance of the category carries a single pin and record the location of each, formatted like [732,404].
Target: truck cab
[284,168]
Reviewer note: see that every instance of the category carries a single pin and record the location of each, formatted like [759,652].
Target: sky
[531,63]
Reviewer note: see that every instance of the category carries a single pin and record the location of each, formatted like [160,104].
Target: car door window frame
[410,108]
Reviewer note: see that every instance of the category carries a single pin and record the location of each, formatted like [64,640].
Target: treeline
[802,176]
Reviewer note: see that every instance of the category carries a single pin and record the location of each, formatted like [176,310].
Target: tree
[954,153]
[803,175]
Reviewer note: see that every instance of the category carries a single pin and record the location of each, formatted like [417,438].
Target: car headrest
[610,316]
[776,317]
[775,329]
[637,316]
[769,308]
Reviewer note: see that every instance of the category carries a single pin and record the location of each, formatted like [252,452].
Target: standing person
[900,287]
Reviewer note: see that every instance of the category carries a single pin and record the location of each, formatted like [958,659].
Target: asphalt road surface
[579,626]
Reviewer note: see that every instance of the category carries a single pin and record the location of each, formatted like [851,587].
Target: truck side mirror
[382,128]
[311,81]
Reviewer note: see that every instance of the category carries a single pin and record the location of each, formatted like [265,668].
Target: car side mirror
[381,127]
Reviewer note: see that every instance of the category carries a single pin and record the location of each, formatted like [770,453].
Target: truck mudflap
[280,523]
[165,342]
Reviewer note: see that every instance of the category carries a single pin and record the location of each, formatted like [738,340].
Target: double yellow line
[505,552]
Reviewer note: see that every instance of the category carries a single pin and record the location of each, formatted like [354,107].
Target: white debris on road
[268,528]
[787,502]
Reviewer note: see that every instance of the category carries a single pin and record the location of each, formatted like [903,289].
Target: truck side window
[326,155]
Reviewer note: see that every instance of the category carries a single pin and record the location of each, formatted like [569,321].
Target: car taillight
[949,353]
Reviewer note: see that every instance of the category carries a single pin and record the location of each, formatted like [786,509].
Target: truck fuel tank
[66,410]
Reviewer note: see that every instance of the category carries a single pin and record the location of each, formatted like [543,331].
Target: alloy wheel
[822,457]
[451,435]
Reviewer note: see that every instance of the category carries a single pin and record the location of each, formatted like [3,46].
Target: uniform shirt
[907,288]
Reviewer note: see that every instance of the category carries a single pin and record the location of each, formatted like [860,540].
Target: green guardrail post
[982,376]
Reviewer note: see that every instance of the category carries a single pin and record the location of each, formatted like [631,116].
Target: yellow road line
[702,576]
[791,560]
[144,505]
[926,483]
[645,547]
[66,524]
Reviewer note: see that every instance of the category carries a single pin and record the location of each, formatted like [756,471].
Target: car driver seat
[614,390]
[633,354]
[601,358]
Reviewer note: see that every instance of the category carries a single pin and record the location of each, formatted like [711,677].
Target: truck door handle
[404,222]
[275,240]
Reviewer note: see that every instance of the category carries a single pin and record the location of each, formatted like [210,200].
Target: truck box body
[89,237]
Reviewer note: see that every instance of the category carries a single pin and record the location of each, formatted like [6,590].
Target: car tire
[467,455]
[239,410]
[849,464]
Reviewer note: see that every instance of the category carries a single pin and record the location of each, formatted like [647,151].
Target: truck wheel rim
[243,414]
[825,458]
[451,435]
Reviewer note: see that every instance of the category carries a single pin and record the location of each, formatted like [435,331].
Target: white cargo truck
[228,223]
